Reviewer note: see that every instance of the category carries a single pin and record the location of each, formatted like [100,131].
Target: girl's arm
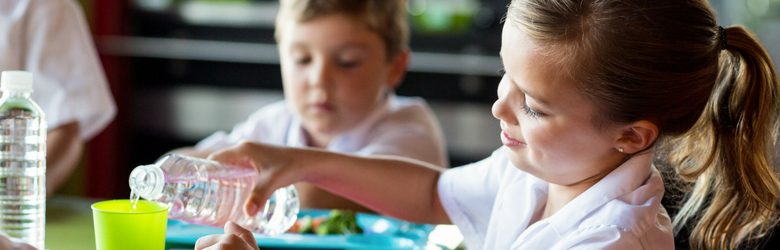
[394,186]
[191,151]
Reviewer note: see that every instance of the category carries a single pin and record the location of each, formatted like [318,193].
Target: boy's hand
[235,238]
[273,165]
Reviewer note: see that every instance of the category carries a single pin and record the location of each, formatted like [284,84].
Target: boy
[340,62]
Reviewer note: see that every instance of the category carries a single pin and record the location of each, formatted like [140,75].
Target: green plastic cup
[118,226]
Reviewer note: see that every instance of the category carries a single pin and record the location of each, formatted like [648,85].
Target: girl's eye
[531,112]
[500,72]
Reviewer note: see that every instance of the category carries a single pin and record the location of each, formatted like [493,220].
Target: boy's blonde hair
[387,18]
[712,90]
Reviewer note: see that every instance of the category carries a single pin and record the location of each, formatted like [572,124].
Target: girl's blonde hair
[715,99]
[387,18]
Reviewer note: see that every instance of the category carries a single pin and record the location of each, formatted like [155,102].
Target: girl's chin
[517,160]
[520,161]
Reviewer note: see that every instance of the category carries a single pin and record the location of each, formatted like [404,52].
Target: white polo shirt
[492,203]
[403,126]
[51,39]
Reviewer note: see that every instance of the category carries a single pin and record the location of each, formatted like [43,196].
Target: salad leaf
[336,222]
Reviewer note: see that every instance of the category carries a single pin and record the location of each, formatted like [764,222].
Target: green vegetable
[339,222]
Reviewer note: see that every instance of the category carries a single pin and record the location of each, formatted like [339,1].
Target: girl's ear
[398,69]
[636,137]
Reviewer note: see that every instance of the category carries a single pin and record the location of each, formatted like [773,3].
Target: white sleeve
[468,193]
[70,84]
[268,124]
[600,237]
[414,134]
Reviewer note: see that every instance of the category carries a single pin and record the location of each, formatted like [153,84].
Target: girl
[590,87]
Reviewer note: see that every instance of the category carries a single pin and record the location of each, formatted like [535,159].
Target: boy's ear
[398,69]
[637,136]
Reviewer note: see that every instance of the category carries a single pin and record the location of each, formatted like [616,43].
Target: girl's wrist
[309,163]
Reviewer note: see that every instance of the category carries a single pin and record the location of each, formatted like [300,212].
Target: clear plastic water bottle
[205,192]
[22,160]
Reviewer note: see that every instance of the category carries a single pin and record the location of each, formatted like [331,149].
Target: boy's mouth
[321,107]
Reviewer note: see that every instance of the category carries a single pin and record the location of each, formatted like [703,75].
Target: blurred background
[182,69]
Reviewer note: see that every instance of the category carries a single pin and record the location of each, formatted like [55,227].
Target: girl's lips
[509,141]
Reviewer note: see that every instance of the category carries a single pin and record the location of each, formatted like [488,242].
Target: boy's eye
[350,58]
[348,63]
[531,112]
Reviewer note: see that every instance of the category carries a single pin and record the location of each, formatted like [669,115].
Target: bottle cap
[147,181]
[16,81]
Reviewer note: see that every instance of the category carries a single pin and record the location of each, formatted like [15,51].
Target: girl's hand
[235,238]
[274,166]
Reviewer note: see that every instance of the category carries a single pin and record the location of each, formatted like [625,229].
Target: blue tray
[380,232]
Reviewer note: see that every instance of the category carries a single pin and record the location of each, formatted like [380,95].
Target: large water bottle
[205,192]
[22,160]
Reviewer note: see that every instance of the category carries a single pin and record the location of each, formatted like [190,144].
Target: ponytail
[712,93]
[728,153]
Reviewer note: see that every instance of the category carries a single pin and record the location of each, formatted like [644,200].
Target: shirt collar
[624,179]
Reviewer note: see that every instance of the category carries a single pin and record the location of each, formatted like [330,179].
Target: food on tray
[336,222]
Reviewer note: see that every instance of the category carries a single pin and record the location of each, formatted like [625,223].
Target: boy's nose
[320,75]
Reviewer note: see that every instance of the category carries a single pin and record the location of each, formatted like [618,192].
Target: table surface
[69,226]
[69,223]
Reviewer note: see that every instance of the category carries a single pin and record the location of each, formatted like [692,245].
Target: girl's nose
[502,112]
[501,108]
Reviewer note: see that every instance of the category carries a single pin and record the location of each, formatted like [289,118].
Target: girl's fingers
[242,155]
[233,156]
[206,241]
[246,235]
[256,200]
[223,241]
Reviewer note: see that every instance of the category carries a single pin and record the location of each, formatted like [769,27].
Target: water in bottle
[22,160]
[205,192]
